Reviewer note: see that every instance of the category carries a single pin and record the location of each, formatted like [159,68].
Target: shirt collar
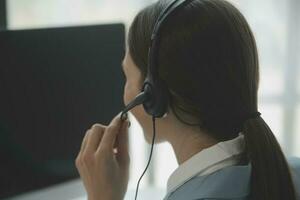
[207,161]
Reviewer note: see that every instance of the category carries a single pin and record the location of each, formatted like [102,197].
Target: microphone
[139,99]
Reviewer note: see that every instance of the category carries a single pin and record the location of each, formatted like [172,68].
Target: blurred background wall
[276,25]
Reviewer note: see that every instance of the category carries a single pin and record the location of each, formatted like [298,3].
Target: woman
[225,150]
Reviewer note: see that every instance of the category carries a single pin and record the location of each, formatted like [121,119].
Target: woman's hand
[103,160]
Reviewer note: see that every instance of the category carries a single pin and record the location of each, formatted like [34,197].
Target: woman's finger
[123,143]
[95,136]
[85,138]
[82,147]
[110,133]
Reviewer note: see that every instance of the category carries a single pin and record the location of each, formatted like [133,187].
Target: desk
[74,190]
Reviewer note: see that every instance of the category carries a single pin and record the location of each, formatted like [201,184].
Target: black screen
[54,84]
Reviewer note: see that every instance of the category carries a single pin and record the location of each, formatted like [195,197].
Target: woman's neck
[187,141]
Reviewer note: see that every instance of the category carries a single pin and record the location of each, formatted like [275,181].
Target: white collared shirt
[207,161]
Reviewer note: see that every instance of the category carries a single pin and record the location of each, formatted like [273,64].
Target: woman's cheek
[129,93]
[125,94]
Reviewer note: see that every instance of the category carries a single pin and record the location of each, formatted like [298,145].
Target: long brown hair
[209,61]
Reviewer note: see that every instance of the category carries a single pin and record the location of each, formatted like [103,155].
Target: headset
[154,94]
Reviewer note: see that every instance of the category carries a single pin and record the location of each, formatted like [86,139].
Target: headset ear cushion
[147,88]
[157,103]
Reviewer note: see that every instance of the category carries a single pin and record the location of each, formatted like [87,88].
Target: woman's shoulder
[294,163]
[228,183]
[231,182]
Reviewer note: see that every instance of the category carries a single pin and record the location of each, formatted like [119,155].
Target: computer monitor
[54,84]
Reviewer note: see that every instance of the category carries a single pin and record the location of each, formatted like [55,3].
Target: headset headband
[171,8]
[154,94]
